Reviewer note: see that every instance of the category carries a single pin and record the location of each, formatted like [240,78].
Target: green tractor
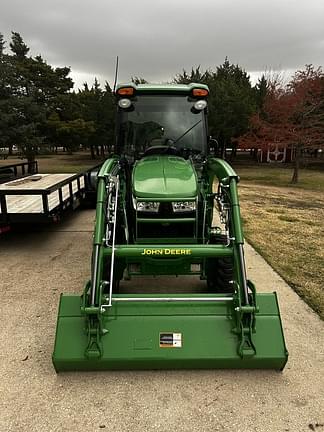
[166,207]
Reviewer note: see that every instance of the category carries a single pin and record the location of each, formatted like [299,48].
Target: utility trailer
[40,198]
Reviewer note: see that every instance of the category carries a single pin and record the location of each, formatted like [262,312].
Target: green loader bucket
[182,332]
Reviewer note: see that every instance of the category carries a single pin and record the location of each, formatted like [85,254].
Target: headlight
[124,103]
[200,105]
[184,206]
[147,206]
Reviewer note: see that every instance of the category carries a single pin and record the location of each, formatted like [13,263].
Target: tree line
[40,110]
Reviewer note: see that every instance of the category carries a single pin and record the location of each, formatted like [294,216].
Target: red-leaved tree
[291,116]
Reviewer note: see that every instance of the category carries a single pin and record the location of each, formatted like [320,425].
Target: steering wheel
[162,150]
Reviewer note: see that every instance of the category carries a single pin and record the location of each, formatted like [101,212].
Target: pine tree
[2,45]
[18,46]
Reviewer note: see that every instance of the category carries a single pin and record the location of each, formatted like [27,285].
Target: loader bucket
[159,332]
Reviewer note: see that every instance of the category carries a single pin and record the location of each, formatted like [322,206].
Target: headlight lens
[147,206]
[124,103]
[153,206]
[184,206]
[200,105]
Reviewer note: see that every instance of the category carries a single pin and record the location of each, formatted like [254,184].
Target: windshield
[161,121]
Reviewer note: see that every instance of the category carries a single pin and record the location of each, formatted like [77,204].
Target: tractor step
[144,332]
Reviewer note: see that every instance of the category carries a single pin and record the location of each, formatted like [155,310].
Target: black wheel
[219,272]
[119,263]
[117,277]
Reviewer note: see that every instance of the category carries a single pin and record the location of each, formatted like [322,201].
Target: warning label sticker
[170,340]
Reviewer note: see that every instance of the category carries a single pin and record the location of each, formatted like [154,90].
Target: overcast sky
[156,39]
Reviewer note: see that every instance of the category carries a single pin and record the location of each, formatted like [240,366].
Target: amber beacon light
[200,92]
[125,91]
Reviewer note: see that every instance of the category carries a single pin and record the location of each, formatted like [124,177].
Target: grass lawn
[60,163]
[270,175]
[286,225]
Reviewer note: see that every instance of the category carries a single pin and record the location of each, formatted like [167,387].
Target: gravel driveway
[36,267]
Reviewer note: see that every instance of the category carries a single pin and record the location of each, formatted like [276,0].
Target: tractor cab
[162,141]
[162,120]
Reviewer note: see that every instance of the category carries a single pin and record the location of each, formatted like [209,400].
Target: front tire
[219,272]
[118,275]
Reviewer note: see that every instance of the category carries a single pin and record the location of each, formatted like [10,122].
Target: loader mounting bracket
[94,326]
[245,322]
[94,349]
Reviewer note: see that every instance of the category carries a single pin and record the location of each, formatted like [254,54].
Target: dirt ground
[36,267]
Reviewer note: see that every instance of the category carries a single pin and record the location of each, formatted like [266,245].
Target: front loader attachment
[158,332]
[105,330]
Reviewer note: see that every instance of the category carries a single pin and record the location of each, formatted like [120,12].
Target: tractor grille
[160,225]
[166,230]
[166,212]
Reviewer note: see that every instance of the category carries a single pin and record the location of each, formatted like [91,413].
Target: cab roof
[163,88]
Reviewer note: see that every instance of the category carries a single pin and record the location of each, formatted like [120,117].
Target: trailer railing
[64,201]
[18,170]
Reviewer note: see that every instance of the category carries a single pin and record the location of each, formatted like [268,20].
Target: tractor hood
[164,177]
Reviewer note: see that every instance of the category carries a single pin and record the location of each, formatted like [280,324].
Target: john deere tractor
[167,207]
